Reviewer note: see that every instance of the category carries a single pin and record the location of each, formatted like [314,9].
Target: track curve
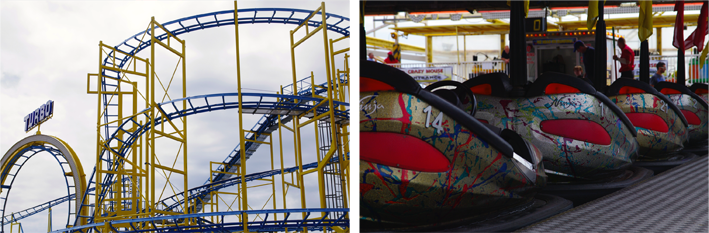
[257,103]
[62,152]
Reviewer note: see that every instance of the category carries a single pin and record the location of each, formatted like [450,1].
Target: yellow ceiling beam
[389,45]
[500,27]
[462,29]
[657,21]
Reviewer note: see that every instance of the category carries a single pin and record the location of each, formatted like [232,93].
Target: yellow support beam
[385,44]
[501,27]
[242,138]
[429,49]
[659,40]
[631,23]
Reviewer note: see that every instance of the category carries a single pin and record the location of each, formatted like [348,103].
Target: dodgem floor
[674,201]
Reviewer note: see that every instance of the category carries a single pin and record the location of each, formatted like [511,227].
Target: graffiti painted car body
[426,162]
[578,130]
[661,127]
[692,106]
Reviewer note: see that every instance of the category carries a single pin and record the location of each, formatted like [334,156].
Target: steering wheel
[459,96]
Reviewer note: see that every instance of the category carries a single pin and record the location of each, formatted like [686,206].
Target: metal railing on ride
[465,70]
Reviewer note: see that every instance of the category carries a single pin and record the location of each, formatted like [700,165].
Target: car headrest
[551,83]
[668,88]
[699,88]
[624,86]
[558,83]
[379,77]
[494,84]
[386,78]
[461,96]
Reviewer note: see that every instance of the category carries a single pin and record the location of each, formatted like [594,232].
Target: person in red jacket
[626,59]
[390,58]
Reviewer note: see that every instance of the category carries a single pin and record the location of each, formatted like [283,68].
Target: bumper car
[661,126]
[693,107]
[425,162]
[702,90]
[583,136]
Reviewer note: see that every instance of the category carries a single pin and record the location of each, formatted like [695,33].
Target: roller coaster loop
[15,158]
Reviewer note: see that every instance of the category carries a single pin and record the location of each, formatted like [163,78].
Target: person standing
[390,58]
[657,77]
[588,53]
[371,57]
[626,59]
[578,71]
[506,54]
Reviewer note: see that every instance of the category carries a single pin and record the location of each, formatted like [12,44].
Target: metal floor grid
[673,201]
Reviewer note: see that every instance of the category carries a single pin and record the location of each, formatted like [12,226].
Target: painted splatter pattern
[481,180]
[697,133]
[654,145]
[564,155]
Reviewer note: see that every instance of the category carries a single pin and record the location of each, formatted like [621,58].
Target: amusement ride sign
[41,114]
[429,74]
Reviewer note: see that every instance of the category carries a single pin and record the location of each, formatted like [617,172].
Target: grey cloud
[9,80]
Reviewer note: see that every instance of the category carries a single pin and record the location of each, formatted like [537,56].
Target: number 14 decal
[437,123]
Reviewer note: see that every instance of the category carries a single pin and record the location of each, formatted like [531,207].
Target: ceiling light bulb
[456,17]
[416,18]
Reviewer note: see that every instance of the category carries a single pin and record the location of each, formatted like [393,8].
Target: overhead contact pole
[244,201]
[599,82]
[363,34]
[518,64]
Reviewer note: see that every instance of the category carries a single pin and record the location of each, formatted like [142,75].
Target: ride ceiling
[393,7]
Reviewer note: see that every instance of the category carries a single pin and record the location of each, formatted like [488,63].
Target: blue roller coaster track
[176,200]
[272,106]
[19,162]
[265,124]
[259,103]
[332,217]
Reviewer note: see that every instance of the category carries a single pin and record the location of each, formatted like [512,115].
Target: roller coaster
[126,190]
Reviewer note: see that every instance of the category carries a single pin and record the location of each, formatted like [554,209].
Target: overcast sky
[47,49]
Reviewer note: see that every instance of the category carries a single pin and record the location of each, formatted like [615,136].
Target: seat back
[556,83]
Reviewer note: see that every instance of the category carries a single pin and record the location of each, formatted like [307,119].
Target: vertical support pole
[518,64]
[184,122]
[429,49]
[644,62]
[296,122]
[135,193]
[244,201]
[99,163]
[658,31]
[49,220]
[331,107]
[465,49]
[280,149]
[457,46]
[151,154]
[680,65]
[502,42]
[312,85]
[362,33]
[599,82]
[146,155]
[273,179]
[119,135]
